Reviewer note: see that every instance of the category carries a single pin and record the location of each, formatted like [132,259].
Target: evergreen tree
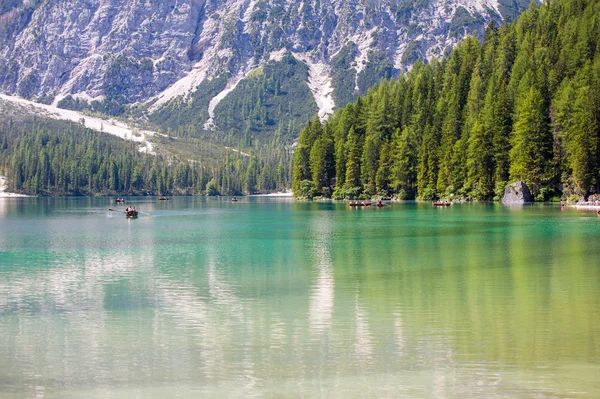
[531,141]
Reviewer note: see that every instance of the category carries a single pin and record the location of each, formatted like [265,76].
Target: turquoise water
[275,298]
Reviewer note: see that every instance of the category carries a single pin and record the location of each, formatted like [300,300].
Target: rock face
[132,50]
[517,193]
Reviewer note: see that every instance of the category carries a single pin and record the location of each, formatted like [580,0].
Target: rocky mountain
[231,65]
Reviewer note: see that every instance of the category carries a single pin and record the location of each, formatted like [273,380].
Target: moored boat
[586,206]
[359,203]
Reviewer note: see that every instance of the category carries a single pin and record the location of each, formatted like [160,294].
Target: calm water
[274,298]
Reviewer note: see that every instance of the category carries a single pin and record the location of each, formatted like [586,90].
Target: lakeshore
[3,193]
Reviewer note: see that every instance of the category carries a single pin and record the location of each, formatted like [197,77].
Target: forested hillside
[522,105]
[44,157]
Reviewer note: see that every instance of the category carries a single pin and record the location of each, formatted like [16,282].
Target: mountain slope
[106,54]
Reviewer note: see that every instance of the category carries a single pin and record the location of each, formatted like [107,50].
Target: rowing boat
[359,203]
[131,214]
[440,203]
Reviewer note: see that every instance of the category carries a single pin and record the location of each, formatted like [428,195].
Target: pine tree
[531,141]
[353,160]
[322,162]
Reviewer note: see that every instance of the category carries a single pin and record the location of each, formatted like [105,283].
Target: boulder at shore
[517,193]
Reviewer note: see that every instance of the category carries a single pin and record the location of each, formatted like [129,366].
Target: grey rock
[517,193]
[60,47]
[69,46]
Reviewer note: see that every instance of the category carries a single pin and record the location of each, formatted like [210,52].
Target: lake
[270,297]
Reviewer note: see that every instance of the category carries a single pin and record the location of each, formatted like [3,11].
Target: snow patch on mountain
[21,106]
[319,82]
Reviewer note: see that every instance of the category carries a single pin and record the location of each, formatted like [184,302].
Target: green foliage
[57,158]
[405,195]
[106,107]
[211,188]
[307,189]
[428,194]
[510,9]
[499,189]
[301,170]
[126,79]
[412,53]
[522,105]
[275,97]
[464,22]
[181,113]
[377,68]
[343,75]
[352,193]
[531,150]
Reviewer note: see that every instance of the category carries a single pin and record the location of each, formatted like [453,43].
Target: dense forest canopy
[522,105]
[43,157]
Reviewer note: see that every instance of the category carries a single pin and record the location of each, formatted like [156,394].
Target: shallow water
[274,298]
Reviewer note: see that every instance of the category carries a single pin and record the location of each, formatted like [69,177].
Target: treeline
[42,157]
[523,105]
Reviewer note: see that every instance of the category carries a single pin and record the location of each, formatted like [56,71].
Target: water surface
[274,298]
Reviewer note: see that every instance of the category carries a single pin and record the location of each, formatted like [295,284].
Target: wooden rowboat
[440,203]
[360,203]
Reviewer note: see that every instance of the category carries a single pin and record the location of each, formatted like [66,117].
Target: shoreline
[285,195]
[4,194]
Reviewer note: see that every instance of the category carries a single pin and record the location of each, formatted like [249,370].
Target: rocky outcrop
[517,193]
[130,51]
